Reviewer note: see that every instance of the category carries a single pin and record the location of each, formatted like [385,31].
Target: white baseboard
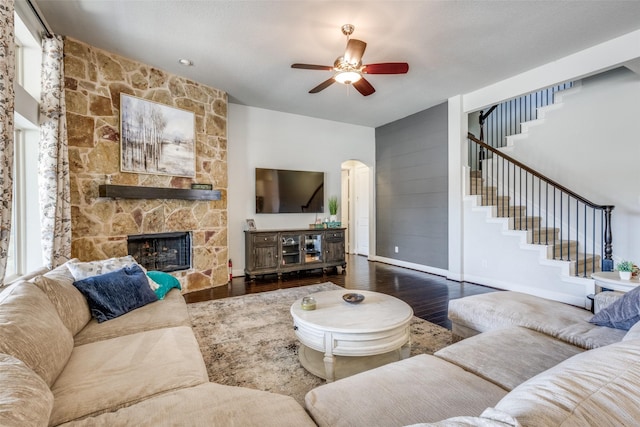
[411,265]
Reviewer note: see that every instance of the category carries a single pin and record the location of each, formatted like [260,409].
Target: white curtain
[53,160]
[7,98]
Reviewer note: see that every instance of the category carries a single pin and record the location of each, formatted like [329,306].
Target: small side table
[612,280]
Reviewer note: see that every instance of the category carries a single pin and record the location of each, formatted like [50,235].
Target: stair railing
[552,214]
[504,119]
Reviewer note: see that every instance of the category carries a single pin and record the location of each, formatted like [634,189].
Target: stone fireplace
[161,251]
[101,225]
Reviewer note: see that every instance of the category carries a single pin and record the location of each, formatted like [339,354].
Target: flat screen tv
[289,191]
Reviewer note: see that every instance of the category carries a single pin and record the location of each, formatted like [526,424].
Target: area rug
[249,340]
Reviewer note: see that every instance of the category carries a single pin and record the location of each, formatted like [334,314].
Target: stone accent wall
[94,80]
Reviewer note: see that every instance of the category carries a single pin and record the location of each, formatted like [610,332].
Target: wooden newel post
[607,262]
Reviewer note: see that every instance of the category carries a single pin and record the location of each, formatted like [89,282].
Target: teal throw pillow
[166,282]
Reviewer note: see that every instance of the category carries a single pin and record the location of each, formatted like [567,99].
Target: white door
[345,209]
[362,210]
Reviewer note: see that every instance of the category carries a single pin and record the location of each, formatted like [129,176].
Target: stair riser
[564,251]
[581,269]
[512,211]
[485,191]
[543,236]
[522,223]
[495,201]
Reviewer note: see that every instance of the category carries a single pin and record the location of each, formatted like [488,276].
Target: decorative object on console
[625,268]
[168,146]
[251,225]
[333,208]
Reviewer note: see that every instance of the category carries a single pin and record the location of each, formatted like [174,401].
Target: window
[25,250]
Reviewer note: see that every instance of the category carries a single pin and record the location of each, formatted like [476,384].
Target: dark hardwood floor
[426,293]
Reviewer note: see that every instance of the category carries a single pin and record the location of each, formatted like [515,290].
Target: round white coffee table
[378,326]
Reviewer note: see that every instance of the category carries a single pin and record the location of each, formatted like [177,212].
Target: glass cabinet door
[312,248]
[290,249]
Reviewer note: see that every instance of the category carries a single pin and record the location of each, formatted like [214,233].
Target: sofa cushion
[25,399]
[599,387]
[418,389]
[208,404]
[111,374]
[489,418]
[71,305]
[113,294]
[508,357]
[31,330]
[623,313]
[165,281]
[169,312]
[602,300]
[497,310]
[633,333]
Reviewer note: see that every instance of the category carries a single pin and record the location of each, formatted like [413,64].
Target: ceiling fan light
[347,77]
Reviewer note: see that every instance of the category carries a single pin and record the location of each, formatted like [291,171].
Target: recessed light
[185,62]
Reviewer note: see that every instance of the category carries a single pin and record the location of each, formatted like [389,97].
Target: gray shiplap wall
[411,188]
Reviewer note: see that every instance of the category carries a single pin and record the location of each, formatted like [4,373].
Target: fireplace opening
[162,251]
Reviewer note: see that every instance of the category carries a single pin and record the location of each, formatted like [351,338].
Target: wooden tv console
[283,251]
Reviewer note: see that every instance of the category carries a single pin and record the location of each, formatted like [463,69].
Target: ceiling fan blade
[364,87]
[325,84]
[312,67]
[355,50]
[386,68]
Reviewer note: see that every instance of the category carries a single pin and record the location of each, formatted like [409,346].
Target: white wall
[596,151]
[591,61]
[271,139]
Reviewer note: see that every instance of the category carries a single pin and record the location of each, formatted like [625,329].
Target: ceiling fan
[348,68]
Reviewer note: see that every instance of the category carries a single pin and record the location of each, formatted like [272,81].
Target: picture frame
[156,138]
[251,225]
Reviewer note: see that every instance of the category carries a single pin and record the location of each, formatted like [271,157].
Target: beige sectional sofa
[524,361]
[58,366]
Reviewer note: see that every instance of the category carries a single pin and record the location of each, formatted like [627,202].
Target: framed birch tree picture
[156,138]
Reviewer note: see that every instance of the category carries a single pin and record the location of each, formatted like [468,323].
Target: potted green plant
[624,269]
[333,208]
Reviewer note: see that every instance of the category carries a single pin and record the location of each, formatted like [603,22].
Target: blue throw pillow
[113,294]
[166,282]
[621,314]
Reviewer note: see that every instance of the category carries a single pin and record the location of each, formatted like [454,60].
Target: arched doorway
[356,196]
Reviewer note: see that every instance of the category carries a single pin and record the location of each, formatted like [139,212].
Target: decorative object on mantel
[197,186]
[138,192]
[156,138]
[625,268]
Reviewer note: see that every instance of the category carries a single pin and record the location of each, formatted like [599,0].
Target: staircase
[537,233]
[547,240]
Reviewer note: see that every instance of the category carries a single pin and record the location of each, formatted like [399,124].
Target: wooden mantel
[138,192]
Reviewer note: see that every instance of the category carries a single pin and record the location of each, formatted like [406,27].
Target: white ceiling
[246,48]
